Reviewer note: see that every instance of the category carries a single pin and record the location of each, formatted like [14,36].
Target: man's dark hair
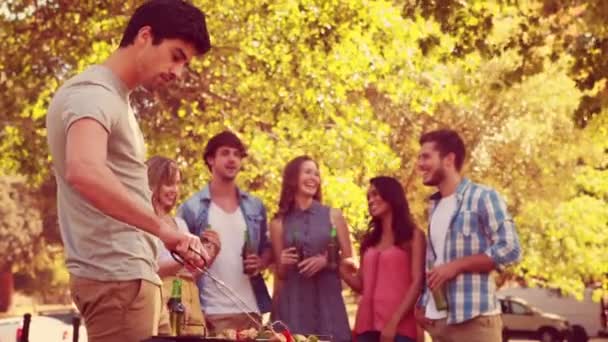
[446,141]
[169,19]
[223,139]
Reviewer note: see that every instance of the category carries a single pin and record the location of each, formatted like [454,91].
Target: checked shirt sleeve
[505,248]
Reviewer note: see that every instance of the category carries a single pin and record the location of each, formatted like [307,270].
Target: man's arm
[504,248]
[88,174]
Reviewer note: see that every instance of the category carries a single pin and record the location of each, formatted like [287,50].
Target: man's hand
[420,315]
[213,237]
[310,266]
[389,331]
[439,275]
[253,264]
[212,244]
[187,245]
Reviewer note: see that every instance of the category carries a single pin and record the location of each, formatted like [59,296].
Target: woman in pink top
[392,267]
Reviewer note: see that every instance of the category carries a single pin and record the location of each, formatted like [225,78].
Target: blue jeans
[374,336]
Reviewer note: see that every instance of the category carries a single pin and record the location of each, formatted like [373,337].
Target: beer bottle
[247,249]
[333,250]
[176,308]
[439,297]
[298,245]
[441,302]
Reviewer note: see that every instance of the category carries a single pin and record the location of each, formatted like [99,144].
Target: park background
[352,84]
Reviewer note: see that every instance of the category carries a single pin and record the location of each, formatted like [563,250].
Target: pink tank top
[386,279]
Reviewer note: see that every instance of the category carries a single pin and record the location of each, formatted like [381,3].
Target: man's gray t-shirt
[98,246]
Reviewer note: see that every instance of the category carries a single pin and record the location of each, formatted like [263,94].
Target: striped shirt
[480,224]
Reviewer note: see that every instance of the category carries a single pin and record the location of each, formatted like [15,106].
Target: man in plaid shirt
[470,235]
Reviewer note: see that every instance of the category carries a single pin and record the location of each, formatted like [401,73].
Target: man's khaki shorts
[117,311]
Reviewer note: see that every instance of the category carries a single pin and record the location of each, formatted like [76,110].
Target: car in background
[521,320]
[67,315]
[42,329]
[583,314]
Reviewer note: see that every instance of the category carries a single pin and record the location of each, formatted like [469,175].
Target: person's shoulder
[479,186]
[485,198]
[276,222]
[251,199]
[318,206]
[335,213]
[82,90]
[418,237]
[482,191]
[195,198]
[89,81]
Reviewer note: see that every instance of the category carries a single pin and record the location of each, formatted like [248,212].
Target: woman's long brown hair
[161,170]
[403,225]
[289,187]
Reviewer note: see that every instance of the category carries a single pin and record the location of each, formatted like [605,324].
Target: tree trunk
[6,288]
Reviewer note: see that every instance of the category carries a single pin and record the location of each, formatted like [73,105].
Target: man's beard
[225,177]
[436,178]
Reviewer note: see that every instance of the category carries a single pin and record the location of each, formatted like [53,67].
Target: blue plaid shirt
[480,224]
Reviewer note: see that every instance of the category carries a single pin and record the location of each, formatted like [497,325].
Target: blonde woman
[164,180]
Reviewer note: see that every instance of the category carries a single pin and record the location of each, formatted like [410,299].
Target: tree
[353,84]
[20,227]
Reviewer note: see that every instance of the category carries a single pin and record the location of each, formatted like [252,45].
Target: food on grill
[299,338]
[265,335]
[228,334]
[248,334]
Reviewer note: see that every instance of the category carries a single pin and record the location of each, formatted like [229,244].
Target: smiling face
[226,163]
[168,192]
[431,165]
[377,206]
[309,179]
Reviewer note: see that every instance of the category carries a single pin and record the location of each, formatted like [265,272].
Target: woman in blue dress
[309,299]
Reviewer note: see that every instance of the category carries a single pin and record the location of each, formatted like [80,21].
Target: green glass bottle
[298,245]
[176,308]
[333,250]
[439,295]
[247,248]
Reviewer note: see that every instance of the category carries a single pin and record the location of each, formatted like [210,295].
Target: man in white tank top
[239,219]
